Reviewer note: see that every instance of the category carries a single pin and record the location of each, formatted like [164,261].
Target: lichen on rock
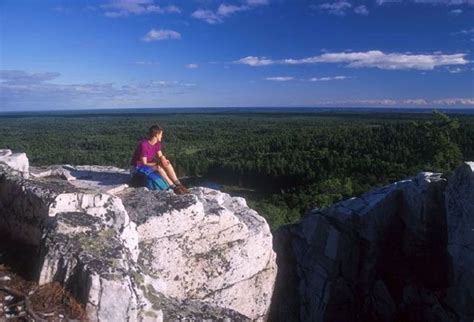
[134,254]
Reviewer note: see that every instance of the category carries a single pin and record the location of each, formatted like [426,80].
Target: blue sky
[225,53]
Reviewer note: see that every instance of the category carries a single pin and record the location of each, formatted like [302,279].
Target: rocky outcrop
[400,253]
[133,254]
[460,220]
[404,252]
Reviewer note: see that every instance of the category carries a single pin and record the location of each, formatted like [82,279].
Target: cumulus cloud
[161,34]
[124,8]
[328,78]
[280,78]
[192,66]
[225,10]
[372,58]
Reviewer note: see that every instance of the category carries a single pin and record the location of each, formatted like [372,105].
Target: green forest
[284,164]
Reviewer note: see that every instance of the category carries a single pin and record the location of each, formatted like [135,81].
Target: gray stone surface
[383,256]
[138,255]
[460,220]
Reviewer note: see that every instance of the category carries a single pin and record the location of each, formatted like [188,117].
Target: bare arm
[145,162]
[163,160]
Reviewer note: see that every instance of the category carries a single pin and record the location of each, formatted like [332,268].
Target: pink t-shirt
[145,149]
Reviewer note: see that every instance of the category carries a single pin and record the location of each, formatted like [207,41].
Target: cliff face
[132,254]
[404,252]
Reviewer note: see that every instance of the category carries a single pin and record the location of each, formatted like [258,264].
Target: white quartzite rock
[17,161]
[138,254]
[217,250]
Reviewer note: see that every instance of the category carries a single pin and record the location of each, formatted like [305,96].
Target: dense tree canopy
[290,162]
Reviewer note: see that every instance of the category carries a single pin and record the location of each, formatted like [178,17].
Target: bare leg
[170,171]
[162,172]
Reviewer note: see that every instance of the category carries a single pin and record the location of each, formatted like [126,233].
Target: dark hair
[154,130]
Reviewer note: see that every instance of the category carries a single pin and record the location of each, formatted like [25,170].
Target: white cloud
[19,77]
[162,34]
[207,15]
[124,8]
[145,63]
[372,58]
[455,70]
[328,78]
[415,101]
[20,89]
[255,61]
[225,10]
[361,10]
[166,83]
[456,12]
[335,8]
[378,59]
[455,101]
[192,66]
[466,31]
[389,102]
[280,78]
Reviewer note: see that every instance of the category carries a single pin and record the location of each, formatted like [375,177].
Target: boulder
[18,162]
[380,257]
[133,254]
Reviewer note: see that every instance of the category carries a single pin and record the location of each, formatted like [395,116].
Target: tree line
[296,162]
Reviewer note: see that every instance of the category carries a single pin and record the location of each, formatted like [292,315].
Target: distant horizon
[286,109]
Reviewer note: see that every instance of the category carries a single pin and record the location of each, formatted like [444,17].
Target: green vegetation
[291,162]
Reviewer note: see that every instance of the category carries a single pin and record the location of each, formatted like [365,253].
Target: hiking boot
[177,190]
[180,190]
[183,188]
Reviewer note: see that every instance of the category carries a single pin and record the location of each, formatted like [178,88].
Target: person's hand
[164,161]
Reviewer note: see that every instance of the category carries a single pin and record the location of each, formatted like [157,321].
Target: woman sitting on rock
[150,163]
